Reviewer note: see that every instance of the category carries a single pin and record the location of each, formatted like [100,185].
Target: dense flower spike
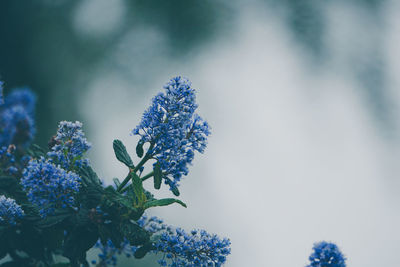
[173,129]
[16,118]
[178,248]
[69,145]
[326,254]
[49,186]
[10,211]
[197,248]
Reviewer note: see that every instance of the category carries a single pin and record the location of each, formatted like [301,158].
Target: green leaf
[139,149]
[157,176]
[175,191]
[89,176]
[50,220]
[36,151]
[116,182]
[163,202]
[121,153]
[92,189]
[138,188]
[136,235]
[142,251]
[79,241]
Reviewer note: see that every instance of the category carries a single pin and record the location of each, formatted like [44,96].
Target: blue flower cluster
[9,164]
[198,248]
[7,160]
[153,224]
[49,186]
[173,129]
[69,145]
[326,254]
[10,211]
[16,118]
[179,248]
[109,252]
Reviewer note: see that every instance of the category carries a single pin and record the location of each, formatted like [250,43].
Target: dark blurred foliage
[40,48]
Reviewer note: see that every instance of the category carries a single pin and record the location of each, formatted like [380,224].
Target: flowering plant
[52,203]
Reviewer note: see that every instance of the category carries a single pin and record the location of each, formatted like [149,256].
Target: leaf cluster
[103,213]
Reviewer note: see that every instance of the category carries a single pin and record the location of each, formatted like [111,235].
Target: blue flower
[197,248]
[8,163]
[108,252]
[69,145]
[153,225]
[10,211]
[49,186]
[326,254]
[16,118]
[173,129]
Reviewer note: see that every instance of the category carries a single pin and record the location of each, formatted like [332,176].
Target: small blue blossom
[10,211]
[69,145]
[197,248]
[153,224]
[8,163]
[326,254]
[173,129]
[108,252]
[17,125]
[49,186]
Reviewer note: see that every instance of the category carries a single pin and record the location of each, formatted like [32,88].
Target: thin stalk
[126,180]
[147,176]
[144,178]
[134,170]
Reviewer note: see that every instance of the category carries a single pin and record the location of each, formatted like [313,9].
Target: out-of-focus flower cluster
[197,248]
[10,211]
[109,252]
[7,160]
[173,129]
[326,254]
[49,186]
[17,125]
[69,145]
[178,248]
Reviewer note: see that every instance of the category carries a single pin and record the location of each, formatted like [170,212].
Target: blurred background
[303,98]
